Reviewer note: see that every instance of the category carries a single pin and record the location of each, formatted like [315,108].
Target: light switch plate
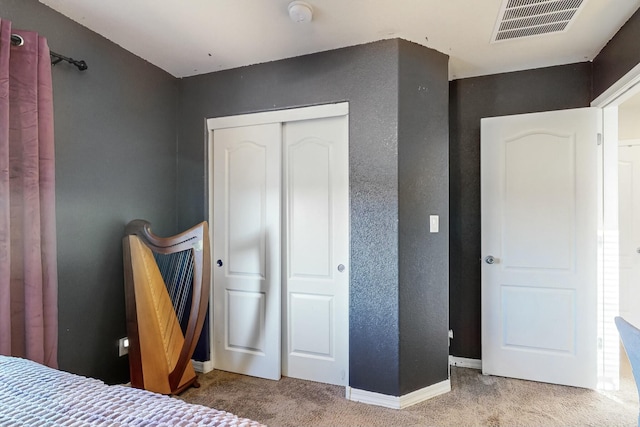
[434,223]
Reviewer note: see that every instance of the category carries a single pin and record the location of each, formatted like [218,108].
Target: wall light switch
[434,223]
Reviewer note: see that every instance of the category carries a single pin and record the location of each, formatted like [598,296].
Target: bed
[35,395]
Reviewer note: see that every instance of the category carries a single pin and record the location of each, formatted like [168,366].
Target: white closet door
[246,249]
[316,212]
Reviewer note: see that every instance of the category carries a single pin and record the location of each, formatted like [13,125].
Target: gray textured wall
[543,89]
[423,190]
[620,55]
[367,77]
[115,161]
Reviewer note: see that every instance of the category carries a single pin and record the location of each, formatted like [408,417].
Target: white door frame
[283,116]
[608,276]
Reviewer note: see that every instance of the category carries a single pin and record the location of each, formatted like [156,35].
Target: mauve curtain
[28,272]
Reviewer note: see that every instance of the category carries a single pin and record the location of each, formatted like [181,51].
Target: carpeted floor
[475,400]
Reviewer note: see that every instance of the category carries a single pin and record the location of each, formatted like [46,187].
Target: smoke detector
[300,11]
[525,18]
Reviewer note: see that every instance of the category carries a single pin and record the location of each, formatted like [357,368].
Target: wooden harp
[167,283]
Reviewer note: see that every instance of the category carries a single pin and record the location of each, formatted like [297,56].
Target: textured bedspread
[34,395]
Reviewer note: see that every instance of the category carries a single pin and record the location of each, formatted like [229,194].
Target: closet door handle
[340,268]
[219,262]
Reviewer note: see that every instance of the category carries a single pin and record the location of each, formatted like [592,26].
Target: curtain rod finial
[17,40]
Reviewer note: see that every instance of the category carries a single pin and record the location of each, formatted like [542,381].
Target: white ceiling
[189,37]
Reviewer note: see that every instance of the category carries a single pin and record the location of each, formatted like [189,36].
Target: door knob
[340,268]
[490,259]
[219,262]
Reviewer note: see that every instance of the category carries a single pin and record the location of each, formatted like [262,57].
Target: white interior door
[246,249]
[629,222]
[316,294]
[539,195]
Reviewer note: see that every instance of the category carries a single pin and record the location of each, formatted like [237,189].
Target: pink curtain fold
[28,264]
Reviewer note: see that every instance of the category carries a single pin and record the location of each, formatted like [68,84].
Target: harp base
[161,384]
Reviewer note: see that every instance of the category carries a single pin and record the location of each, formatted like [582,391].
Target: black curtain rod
[17,40]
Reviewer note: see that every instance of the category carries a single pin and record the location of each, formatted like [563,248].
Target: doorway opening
[619,103]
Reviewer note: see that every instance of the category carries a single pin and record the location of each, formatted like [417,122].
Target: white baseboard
[398,402]
[463,362]
[202,367]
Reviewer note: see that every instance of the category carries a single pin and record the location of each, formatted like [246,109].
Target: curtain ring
[17,40]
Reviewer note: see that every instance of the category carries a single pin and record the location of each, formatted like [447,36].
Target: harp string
[176,270]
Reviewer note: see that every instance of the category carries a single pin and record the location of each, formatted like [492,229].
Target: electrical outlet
[123,346]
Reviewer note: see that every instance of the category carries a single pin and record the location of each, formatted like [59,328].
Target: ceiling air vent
[525,18]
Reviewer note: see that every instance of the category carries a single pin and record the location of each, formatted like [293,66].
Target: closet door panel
[246,249]
[315,313]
